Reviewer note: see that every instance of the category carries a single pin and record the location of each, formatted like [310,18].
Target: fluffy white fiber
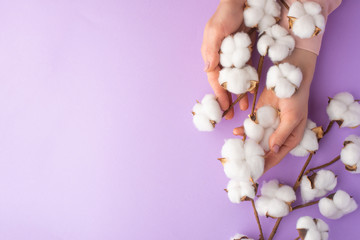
[340,204]
[267,120]
[235,50]
[309,142]
[312,228]
[275,200]
[350,154]
[240,190]
[276,42]
[317,185]
[240,236]
[207,113]
[261,13]
[242,160]
[342,107]
[284,79]
[305,19]
[237,80]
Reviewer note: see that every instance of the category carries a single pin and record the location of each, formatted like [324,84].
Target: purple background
[97,140]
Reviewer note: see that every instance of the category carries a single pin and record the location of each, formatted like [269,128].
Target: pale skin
[228,19]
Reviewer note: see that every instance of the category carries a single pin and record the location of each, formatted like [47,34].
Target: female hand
[293,111]
[226,20]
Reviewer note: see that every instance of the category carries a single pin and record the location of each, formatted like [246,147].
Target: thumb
[213,37]
[280,135]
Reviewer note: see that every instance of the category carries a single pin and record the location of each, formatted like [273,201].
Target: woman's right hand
[227,19]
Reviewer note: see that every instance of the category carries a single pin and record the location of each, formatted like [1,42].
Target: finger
[213,36]
[244,103]
[292,141]
[239,131]
[230,114]
[220,92]
[278,138]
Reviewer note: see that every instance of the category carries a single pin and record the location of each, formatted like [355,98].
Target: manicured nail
[207,65]
[275,148]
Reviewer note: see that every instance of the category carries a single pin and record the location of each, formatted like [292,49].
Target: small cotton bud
[344,109]
[350,154]
[309,142]
[284,79]
[207,113]
[305,19]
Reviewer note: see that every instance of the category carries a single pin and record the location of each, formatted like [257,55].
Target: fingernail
[207,65]
[275,148]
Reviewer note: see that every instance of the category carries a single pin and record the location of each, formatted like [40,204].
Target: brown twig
[305,205]
[329,127]
[275,228]
[233,104]
[324,165]
[285,4]
[297,183]
[257,219]
[259,70]
[298,238]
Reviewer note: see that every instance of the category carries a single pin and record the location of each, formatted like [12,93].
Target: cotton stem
[324,165]
[285,4]
[305,205]
[259,70]
[329,127]
[233,104]
[275,228]
[297,183]
[257,219]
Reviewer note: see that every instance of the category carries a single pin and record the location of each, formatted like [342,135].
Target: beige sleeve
[311,44]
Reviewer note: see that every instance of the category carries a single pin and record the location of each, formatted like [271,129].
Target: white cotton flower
[261,13]
[350,154]
[260,130]
[305,19]
[235,50]
[337,205]
[242,160]
[276,42]
[312,228]
[317,185]
[239,191]
[238,80]
[207,113]
[309,143]
[344,109]
[240,237]
[275,199]
[284,79]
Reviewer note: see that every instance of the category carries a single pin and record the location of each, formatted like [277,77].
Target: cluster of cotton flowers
[206,113]
[266,122]
[261,14]
[240,237]
[309,143]
[317,185]
[284,79]
[239,191]
[275,200]
[305,19]
[350,154]
[344,110]
[312,228]
[276,42]
[235,50]
[337,205]
[242,160]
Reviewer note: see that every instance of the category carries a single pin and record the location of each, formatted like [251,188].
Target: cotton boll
[253,149]
[206,113]
[269,188]
[309,142]
[266,116]
[253,130]
[341,199]
[256,165]
[284,79]
[242,40]
[344,97]
[315,229]
[233,148]
[299,151]
[278,208]
[328,209]
[266,22]
[305,223]
[262,205]
[226,60]
[237,170]
[240,236]
[252,16]
[325,179]
[322,226]
[240,57]
[265,141]
[313,234]
[306,19]
[351,207]
[253,75]
[353,138]
[228,45]
[278,52]
[336,110]
[237,79]
[235,50]
[261,14]
[264,43]
[307,193]
[350,154]
[286,194]
[239,189]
